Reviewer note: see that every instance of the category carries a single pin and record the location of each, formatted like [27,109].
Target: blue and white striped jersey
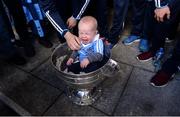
[93,51]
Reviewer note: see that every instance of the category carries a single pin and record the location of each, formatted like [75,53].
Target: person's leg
[36,22]
[91,67]
[120,12]
[138,11]
[101,15]
[169,68]
[158,40]
[148,25]
[6,47]
[7,50]
[172,33]
[74,68]
[171,65]
[158,33]
[16,11]
[138,7]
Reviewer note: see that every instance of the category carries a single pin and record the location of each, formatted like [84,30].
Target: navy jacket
[53,16]
[170,3]
[161,3]
[174,4]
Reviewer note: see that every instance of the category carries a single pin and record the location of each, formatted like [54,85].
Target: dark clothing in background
[7,49]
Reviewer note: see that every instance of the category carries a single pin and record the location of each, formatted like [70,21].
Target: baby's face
[86,33]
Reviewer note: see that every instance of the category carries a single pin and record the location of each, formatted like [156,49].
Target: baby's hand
[84,63]
[70,61]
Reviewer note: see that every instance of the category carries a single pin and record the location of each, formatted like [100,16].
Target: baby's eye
[87,33]
[81,33]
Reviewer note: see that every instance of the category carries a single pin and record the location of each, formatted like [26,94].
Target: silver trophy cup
[84,88]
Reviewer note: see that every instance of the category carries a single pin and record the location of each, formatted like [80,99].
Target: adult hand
[160,13]
[71,22]
[72,41]
[70,61]
[84,63]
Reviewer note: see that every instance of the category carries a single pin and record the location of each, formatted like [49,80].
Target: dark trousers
[138,10]
[99,9]
[7,49]
[120,12]
[15,9]
[142,18]
[161,30]
[76,68]
[170,66]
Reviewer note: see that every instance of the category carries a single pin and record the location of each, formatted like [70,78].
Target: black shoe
[17,59]
[28,47]
[29,50]
[45,42]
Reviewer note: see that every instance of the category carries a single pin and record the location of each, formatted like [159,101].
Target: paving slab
[64,107]
[140,98]
[128,54]
[42,54]
[6,70]
[49,74]
[112,90]
[6,110]
[28,92]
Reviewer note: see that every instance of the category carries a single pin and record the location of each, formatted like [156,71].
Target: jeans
[120,12]
[161,30]
[7,49]
[99,9]
[15,9]
[170,66]
[75,67]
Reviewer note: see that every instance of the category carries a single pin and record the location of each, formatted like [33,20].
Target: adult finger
[77,40]
[168,16]
[161,19]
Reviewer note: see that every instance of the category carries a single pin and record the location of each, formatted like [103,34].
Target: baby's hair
[89,19]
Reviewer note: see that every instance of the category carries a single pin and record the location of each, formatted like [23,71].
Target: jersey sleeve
[79,6]
[53,16]
[161,3]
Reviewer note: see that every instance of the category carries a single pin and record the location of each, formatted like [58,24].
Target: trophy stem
[83,96]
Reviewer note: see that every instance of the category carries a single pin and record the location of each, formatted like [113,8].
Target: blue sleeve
[74,55]
[99,47]
[97,55]
[53,16]
[79,6]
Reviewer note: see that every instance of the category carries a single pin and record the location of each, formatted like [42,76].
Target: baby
[91,52]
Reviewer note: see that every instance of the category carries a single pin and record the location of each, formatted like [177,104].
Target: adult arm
[53,16]
[164,8]
[79,6]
